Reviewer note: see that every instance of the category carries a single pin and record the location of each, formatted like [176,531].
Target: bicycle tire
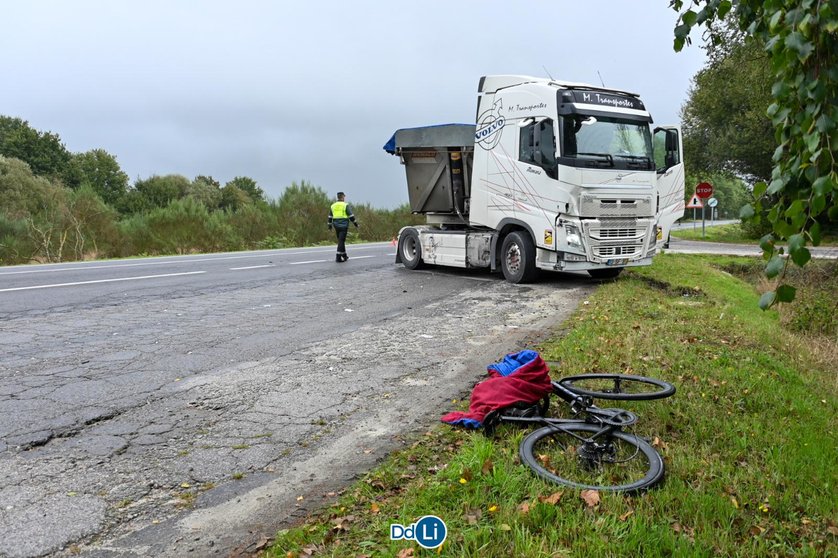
[648,468]
[584,384]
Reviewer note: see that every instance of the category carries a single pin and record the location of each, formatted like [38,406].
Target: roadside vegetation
[733,233]
[59,206]
[749,440]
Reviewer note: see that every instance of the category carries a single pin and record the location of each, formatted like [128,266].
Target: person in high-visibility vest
[340,214]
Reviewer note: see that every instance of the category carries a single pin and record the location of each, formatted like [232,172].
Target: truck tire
[517,258]
[605,273]
[410,249]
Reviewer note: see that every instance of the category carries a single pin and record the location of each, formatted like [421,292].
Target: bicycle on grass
[594,449]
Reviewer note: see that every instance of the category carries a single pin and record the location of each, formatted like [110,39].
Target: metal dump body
[438,162]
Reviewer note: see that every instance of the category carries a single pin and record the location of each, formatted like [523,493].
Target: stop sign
[704,190]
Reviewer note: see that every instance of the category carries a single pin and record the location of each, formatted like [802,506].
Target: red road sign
[704,190]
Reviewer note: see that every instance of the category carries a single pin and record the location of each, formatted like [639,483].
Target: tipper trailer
[553,175]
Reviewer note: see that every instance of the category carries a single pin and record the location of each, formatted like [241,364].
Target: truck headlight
[572,236]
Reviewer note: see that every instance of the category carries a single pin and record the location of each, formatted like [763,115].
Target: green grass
[732,234]
[749,441]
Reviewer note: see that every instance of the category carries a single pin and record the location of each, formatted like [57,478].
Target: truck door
[669,162]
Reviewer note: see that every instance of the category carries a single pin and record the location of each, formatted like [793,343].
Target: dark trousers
[341,234]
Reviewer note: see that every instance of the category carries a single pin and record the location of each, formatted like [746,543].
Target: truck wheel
[517,258]
[606,273]
[410,249]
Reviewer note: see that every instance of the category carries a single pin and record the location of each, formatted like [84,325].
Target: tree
[249,187]
[43,151]
[100,170]
[160,191]
[726,128]
[233,198]
[206,190]
[801,40]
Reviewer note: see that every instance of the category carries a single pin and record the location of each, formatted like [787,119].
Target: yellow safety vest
[339,210]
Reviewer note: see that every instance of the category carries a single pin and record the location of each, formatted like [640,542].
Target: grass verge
[749,442]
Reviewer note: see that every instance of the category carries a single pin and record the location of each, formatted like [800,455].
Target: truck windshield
[605,142]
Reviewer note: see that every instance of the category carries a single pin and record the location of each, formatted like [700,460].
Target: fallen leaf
[299,498]
[626,515]
[405,553]
[658,443]
[466,475]
[552,499]
[185,485]
[374,508]
[505,527]
[735,502]
[591,498]
[756,531]
[524,508]
[488,467]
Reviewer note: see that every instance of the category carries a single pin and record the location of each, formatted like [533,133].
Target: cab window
[538,145]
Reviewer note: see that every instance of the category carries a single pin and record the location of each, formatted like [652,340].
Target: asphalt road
[181,406]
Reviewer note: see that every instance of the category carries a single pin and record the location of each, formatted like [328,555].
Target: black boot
[338,258]
[345,257]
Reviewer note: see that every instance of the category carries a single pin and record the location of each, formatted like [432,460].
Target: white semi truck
[554,175]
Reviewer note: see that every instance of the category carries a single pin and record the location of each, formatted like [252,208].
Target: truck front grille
[617,238]
[597,206]
[622,251]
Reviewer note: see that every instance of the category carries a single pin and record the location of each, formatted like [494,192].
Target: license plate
[623,261]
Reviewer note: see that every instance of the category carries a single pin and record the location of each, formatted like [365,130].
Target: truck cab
[559,176]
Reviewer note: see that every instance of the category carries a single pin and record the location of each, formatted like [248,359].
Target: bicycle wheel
[574,455]
[618,386]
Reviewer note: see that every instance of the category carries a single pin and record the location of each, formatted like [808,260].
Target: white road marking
[99,281]
[308,262]
[82,266]
[251,267]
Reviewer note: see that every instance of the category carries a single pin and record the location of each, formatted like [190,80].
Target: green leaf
[759,189]
[774,267]
[724,8]
[776,185]
[818,204]
[812,141]
[795,209]
[678,44]
[785,293]
[767,299]
[797,42]
[796,242]
[747,212]
[823,185]
[815,233]
[801,256]
[767,244]
[682,31]
[689,18]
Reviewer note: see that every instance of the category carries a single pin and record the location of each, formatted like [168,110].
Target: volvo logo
[489,127]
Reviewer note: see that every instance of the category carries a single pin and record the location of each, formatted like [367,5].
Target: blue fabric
[390,146]
[467,422]
[512,362]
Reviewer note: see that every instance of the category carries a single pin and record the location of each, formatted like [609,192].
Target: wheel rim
[409,248]
[577,457]
[513,258]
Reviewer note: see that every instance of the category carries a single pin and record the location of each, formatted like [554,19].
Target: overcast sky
[311,89]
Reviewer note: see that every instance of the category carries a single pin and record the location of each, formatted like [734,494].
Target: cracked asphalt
[186,415]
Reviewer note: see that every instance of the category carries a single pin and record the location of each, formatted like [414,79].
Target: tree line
[60,206]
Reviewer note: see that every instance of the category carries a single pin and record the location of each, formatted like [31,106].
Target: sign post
[704,190]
